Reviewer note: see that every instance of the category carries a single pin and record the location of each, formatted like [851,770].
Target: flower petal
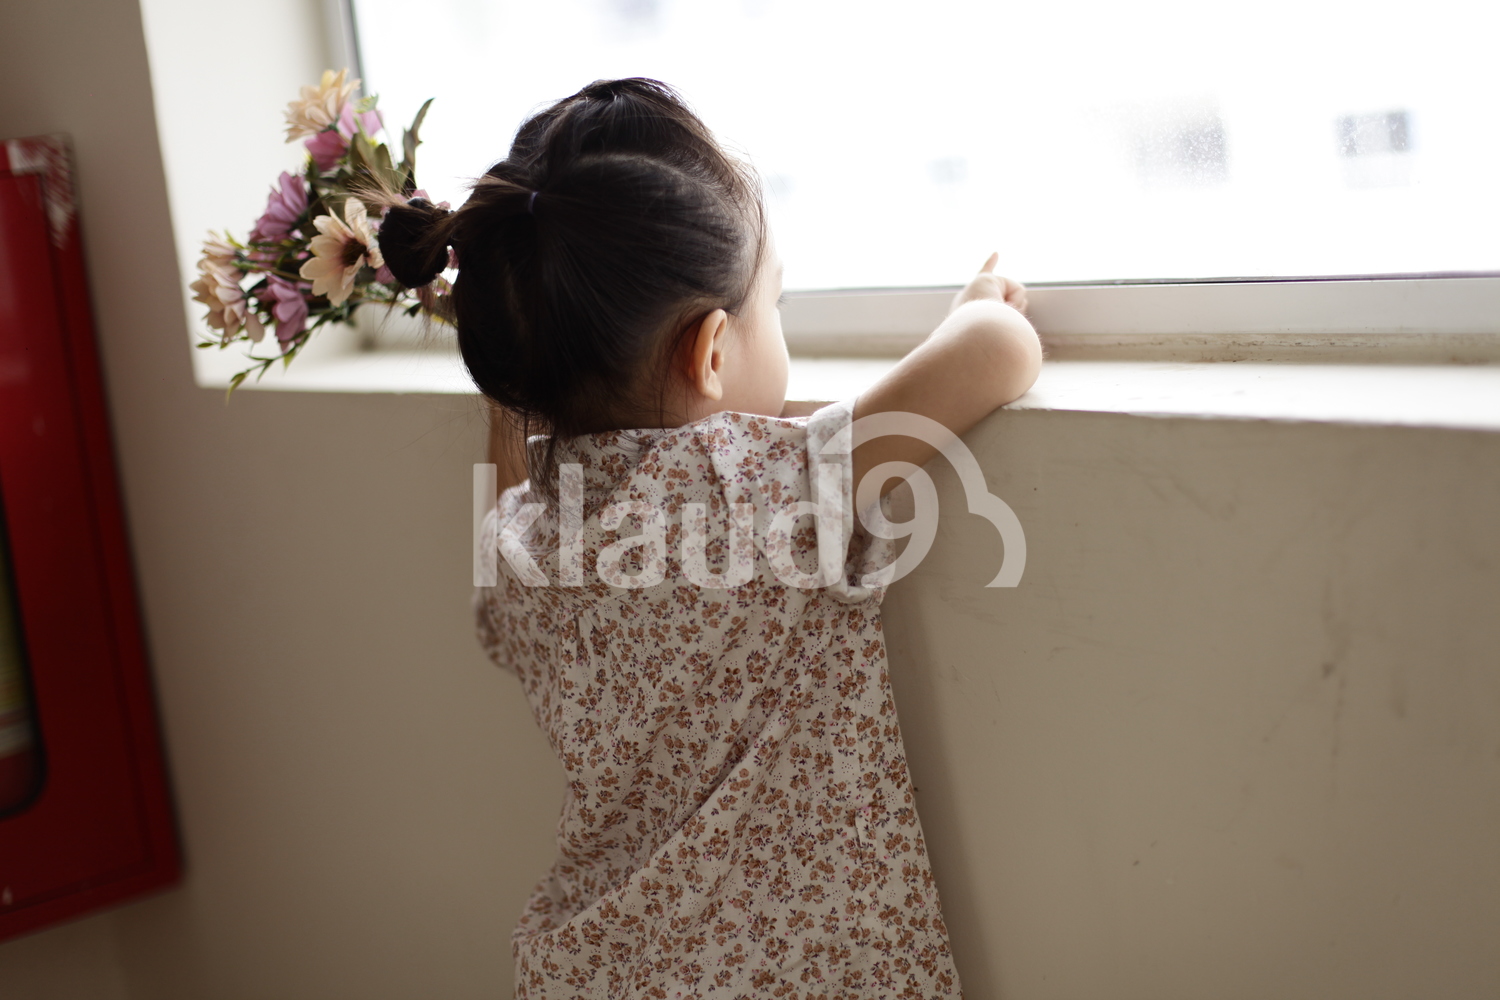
[327,245]
[316,268]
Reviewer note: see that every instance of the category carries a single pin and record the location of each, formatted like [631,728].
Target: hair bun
[414,241]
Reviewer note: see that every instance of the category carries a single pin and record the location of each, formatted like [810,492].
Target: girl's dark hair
[615,224]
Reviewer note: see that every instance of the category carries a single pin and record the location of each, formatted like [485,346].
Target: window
[901,143]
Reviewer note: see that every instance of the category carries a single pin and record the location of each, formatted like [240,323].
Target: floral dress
[739,819]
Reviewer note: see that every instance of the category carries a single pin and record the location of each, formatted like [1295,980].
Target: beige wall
[364,801]
[1237,734]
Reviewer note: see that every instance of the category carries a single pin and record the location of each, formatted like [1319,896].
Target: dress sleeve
[829,441]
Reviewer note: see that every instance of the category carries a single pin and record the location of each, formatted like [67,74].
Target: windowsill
[433,371]
[439,371]
[1452,396]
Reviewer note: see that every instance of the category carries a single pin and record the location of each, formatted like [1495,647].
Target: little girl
[739,819]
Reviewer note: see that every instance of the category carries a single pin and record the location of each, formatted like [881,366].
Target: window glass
[901,142]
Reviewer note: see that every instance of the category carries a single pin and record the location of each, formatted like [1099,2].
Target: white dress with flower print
[739,819]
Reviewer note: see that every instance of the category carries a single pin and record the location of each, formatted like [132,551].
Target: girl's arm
[981,357]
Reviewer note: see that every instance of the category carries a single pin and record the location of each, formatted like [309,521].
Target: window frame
[1405,319]
[1442,317]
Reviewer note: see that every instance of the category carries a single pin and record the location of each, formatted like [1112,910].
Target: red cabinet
[85,818]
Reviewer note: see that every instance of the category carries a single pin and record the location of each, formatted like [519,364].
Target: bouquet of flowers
[314,255]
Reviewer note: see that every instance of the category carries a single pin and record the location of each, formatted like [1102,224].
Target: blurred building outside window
[1088,142]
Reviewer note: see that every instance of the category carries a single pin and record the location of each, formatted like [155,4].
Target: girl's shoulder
[736,446]
[724,449]
[745,427]
[757,432]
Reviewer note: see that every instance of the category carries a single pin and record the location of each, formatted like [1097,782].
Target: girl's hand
[984,355]
[989,285]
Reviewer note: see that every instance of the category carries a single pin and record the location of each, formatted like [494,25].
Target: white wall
[221,75]
[1259,659]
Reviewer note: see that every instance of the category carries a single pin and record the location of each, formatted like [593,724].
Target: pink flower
[290,308]
[262,260]
[367,120]
[218,287]
[327,148]
[283,208]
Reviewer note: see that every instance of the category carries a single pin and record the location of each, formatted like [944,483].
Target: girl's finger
[989,265]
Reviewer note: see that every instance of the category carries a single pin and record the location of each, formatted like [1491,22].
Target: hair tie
[531,203]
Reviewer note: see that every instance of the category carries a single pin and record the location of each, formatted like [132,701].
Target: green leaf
[410,140]
[386,170]
[360,154]
[234,384]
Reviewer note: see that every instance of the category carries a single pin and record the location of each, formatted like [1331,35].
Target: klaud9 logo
[746,529]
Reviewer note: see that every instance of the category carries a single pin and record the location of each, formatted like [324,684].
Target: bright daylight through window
[900,143]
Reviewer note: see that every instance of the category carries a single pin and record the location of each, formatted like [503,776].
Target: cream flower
[319,106]
[340,249]
[217,253]
[218,287]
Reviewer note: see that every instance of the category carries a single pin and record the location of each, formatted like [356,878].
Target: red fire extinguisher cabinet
[85,817]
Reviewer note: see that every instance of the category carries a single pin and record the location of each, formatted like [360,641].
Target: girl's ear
[705,356]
